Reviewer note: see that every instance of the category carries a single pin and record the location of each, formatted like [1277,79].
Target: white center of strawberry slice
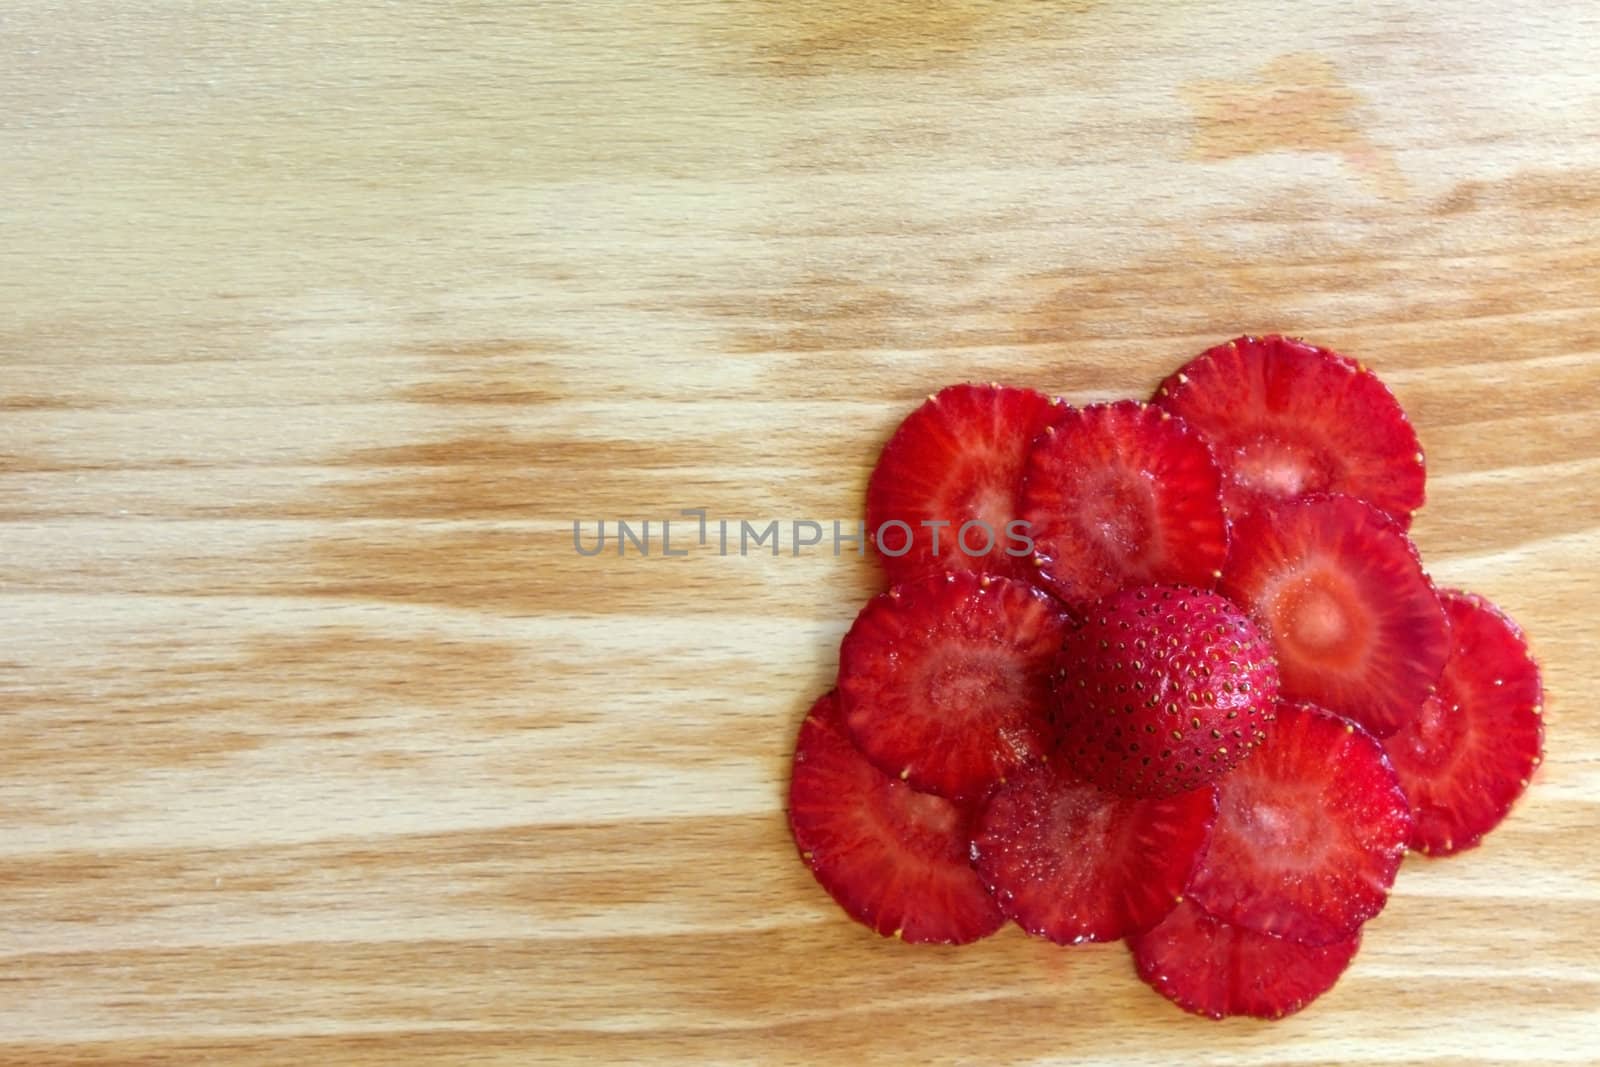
[1121,508]
[983,496]
[1275,465]
[923,823]
[1436,737]
[1274,823]
[969,683]
[1319,620]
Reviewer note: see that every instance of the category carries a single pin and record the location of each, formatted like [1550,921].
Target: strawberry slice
[1072,863]
[1310,831]
[895,859]
[955,464]
[944,682]
[1122,494]
[1341,592]
[1286,419]
[1468,756]
[1212,968]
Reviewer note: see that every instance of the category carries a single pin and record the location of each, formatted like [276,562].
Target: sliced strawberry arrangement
[1162,689]
[1072,863]
[1121,494]
[944,682]
[1286,419]
[1310,832]
[895,859]
[1468,756]
[956,460]
[1356,623]
[1216,969]
[1131,676]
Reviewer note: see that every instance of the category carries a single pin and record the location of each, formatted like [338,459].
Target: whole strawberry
[1162,689]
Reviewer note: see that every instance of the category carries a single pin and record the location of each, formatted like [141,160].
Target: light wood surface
[320,323]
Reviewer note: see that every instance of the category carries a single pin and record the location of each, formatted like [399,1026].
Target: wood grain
[319,324]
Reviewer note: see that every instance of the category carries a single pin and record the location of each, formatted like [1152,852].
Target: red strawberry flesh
[896,860]
[956,460]
[1310,832]
[1122,494]
[944,682]
[1213,968]
[1340,590]
[1073,863]
[1286,419]
[1162,689]
[1468,756]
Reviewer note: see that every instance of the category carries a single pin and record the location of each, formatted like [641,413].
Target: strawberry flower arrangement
[1207,710]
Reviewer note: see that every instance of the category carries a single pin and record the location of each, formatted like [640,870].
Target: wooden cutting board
[320,324]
